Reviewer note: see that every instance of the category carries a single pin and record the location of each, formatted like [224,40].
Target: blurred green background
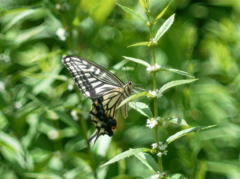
[44,119]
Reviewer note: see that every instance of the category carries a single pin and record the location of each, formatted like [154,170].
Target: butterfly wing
[92,79]
[104,110]
[105,90]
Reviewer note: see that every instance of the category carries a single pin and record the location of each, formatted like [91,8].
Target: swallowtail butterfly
[104,89]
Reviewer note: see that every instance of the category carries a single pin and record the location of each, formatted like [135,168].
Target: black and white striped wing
[92,79]
[105,90]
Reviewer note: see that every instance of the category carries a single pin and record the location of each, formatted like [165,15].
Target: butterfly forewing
[105,89]
[92,79]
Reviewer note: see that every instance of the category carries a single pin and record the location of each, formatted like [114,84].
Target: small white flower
[159,154]
[165,152]
[153,68]
[151,123]
[70,87]
[53,134]
[18,105]
[157,175]
[155,93]
[150,68]
[163,147]
[153,41]
[74,114]
[154,145]
[61,34]
[58,6]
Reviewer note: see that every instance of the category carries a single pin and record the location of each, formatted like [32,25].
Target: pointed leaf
[138,61]
[176,176]
[187,131]
[162,13]
[167,24]
[145,159]
[22,16]
[142,108]
[126,154]
[140,44]
[145,4]
[175,83]
[132,12]
[178,71]
[130,98]
[177,120]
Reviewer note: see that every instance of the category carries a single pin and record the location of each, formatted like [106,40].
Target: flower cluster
[158,175]
[160,148]
[156,93]
[153,68]
[151,123]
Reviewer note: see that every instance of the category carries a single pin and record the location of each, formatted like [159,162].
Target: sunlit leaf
[145,4]
[138,61]
[22,16]
[162,13]
[146,159]
[166,25]
[175,83]
[142,108]
[177,120]
[187,131]
[176,176]
[140,44]
[178,72]
[130,98]
[132,12]
[126,154]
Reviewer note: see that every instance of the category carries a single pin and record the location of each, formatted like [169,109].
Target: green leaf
[176,176]
[146,159]
[126,154]
[177,120]
[67,119]
[29,34]
[167,24]
[13,151]
[130,98]
[140,44]
[178,72]
[142,108]
[132,12]
[175,83]
[22,16]
[145,4]
[187,131]
[162,13]
[138,61]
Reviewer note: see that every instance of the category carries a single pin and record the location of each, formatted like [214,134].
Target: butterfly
[104,89]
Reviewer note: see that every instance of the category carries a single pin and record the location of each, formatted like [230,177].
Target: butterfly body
[104,89]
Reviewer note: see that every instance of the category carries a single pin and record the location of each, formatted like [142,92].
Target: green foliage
[44,119]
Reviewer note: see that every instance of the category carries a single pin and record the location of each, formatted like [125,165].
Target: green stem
[155,106]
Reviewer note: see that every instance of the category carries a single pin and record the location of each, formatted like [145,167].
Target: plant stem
[155,106]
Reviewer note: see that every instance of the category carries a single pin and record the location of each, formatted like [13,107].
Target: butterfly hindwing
[105,89]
